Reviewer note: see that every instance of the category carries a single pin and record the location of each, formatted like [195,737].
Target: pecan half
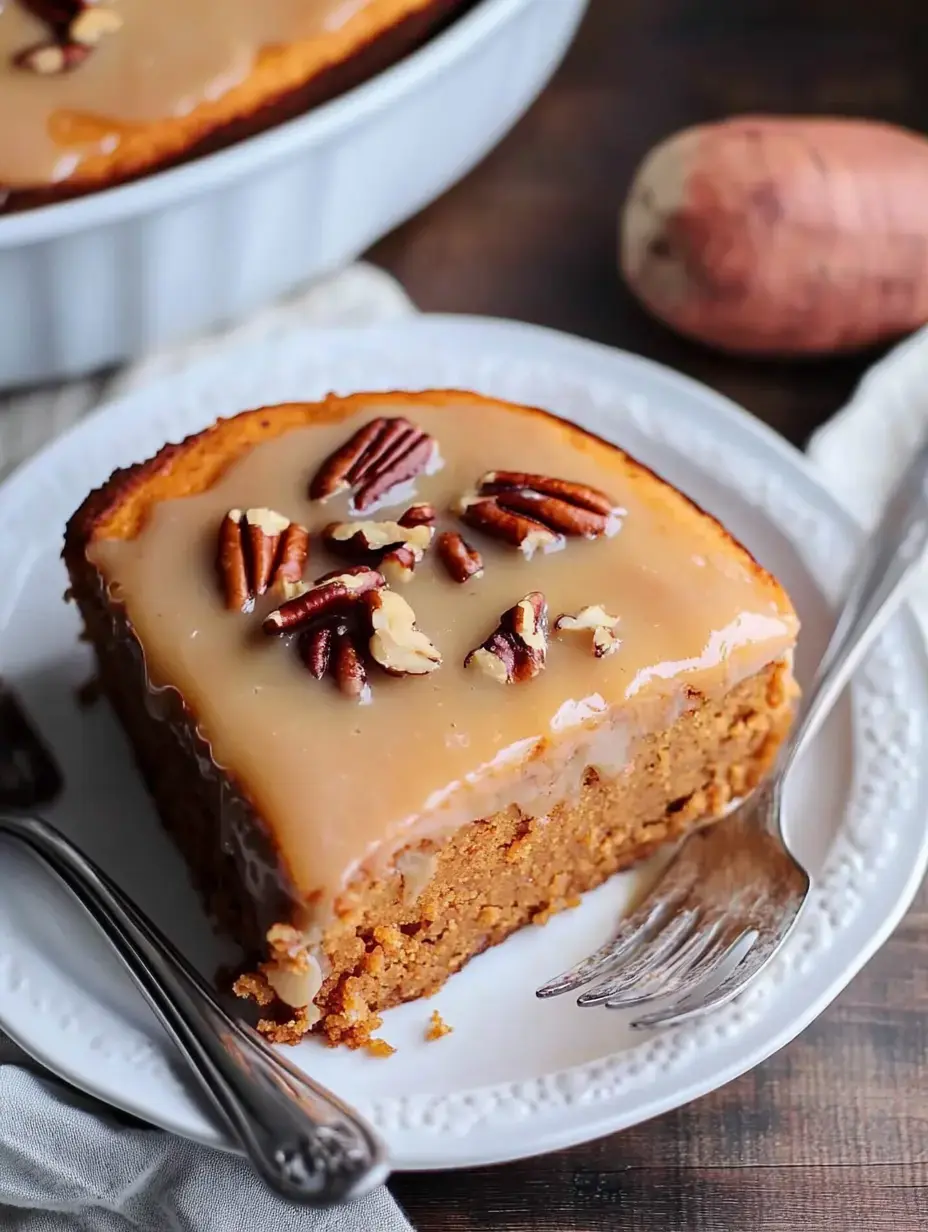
[336,650]
[561,504]
[379,457]
[517,648]
[369,540]
[487,514]
[459,558]
[259,549]
[396,644]
[605,640]
[329,595]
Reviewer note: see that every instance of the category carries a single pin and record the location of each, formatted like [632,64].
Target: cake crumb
[379,1048]
[437,1027]
[254,987]
[389,937]
[290,1032]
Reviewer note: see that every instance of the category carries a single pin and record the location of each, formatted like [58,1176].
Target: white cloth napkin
[862,451]
[67,1163]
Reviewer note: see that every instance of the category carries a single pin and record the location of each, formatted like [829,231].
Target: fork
[732,893]
[304,1142]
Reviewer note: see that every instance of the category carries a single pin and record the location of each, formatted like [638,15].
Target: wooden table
[833,1131]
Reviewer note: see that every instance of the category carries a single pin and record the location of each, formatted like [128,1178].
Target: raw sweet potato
[782,236]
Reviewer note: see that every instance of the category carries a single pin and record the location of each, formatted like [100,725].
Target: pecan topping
[259,549]
[92,23]
[316,649]
[419,515]
[399,564]
[51,59]
[335,650]
[578,494]
[516,650]
[329,595]
[76,27]
[487,514]
[459,558]
[379,457]
[369,540]
[537,501]
[605,640]
[396,644]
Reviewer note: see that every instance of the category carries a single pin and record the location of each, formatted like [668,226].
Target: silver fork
[306,1143]
[731,895]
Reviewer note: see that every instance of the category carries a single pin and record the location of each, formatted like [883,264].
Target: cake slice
[405,672]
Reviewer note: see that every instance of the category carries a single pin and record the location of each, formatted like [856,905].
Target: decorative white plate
[517,1076]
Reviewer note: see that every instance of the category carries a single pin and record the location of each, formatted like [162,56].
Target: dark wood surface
[832,1132]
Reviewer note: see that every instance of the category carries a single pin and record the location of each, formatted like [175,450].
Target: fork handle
[880,576]
[304,1142]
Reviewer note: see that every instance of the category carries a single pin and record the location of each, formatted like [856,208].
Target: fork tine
[693,1004]
[629,936]
[661,947]
[696,974]
[659,983]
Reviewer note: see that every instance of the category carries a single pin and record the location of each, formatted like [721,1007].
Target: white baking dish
[90,282]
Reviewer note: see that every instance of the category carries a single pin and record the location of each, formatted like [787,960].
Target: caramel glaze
[342,787]
[168,58]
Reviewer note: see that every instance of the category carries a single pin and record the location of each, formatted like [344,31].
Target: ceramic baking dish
[90,282]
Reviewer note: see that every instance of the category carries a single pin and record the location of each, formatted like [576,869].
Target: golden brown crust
[286,82]
[118,509]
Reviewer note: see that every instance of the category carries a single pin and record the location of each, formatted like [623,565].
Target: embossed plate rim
[480,1123]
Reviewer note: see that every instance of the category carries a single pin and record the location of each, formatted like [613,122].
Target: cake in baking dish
[95,93]
[405,672]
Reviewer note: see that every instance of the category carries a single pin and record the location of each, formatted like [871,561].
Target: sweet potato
[782,236]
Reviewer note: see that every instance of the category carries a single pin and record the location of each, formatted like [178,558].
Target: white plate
[517,1076]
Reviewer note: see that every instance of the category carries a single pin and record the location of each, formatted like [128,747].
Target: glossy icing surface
[341,785]
[167,57]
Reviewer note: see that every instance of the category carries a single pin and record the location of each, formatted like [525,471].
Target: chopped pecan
[76,27]
[258,549]
[396,644]
[316,649]
[335,649]
[51,59]
[329,595]
[58,14]
[379,457]
[369,540]
[347,665]
[399,564]
[605,640]
[92,23]
[418,515]
[487,514]
[517,649]
[459,558]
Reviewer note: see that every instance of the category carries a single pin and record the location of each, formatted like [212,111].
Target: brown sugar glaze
[167,57]
[343,786]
